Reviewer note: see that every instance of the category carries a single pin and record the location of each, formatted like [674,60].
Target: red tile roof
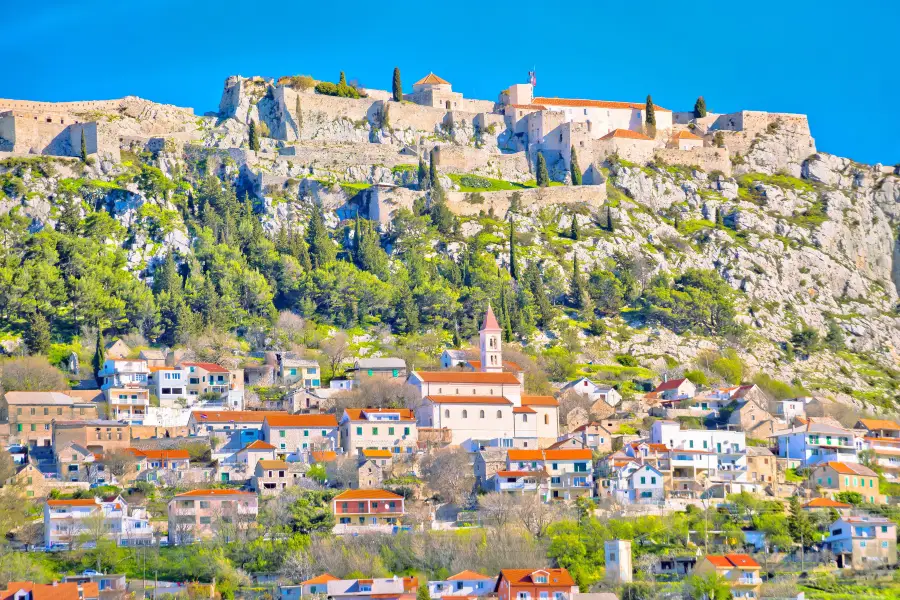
[465,377]
[432,79]
[625,134]
[356,414]
[852,469]
[323,578]
[257,445]
[490,321]
[324,455]
[372,453]
[561,454]
[210,367]
[686,135]
[507,365]
[528,106]
[238,416]
[875,424]
[76,502]
[368,495]
[160,454]
[493,400]
[576,103]
[825,503]
[527,410]
[302,421]
[732,560]
[203,493]
[671,384]
[523,577]
[539,401]
[467,576]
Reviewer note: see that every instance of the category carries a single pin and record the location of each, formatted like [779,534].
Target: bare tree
[536,515]
[449,474]
[571,400]
[298,566]
[31,374]
[336,349]
[419,515]
[214,346]
[497,508]
[377,393]
[343,471]
[119,462]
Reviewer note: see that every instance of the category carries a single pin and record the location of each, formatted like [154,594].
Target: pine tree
[99,356]
[700,107]
[166,277]
[409,312]
[423,174]
[513,268]
[321,249]
[504,316]
[542,176]
[575,169]
[342,80]
[650,117]
[423,594]
[254,137]
[83,147]
[37,334]
[573,230]
[609,219]
[397,87]
[69,215]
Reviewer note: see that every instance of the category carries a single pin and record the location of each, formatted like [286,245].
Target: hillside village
[354,343]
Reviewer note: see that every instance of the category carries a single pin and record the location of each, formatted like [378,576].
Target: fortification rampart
[708,159]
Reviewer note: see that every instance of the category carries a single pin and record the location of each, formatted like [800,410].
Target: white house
[593,391]
[641,485]
[110,518]
[815,443]
[685,140]
[676,389]
[464,583]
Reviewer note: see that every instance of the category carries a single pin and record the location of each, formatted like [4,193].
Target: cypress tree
[299,110]
[577,285]
[700,107]
[253,137]
[423,594]
[397,87]
[542,177]
[456,341]
[576,170]
[321,248]
[99,356]
[342,80]
[677,222]
[609,219]
[423,174]
[720,217]
[650,117]
[433,178]
[513,269]
[37,335]
[357,241]
[504,316]
[535,285]
[573,231]
[83,147]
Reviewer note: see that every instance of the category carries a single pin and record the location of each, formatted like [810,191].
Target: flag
[203,416]
[531,78]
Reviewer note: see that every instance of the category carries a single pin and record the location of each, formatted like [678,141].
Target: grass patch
[785,182]
[477,183]
[691,227]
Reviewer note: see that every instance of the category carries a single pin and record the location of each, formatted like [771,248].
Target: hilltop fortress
[377,141]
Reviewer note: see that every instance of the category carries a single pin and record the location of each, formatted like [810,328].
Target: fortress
[376,140]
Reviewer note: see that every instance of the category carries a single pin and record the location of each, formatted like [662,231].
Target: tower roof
[490,321]
[432,79]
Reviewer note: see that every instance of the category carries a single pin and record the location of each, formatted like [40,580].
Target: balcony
[512,486]
[748,581]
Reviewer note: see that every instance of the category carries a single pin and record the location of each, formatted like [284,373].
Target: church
[487,405]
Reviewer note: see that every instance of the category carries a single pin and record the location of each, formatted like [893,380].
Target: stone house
[295,435]
[863,542]
[594,391]
[117,349]
[272,476]
[685,140]
[749,414]
[762,465]
[676,389]
[382,368]
[486,463]
[304,371]
[197,514]
[740,571]
[384,459]
[75,463]
[31,414]
[595,436]
[836,477]
[33,484]
[436,92]
[98,436]
[369,475]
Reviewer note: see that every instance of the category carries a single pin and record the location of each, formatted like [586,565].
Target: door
[225,478]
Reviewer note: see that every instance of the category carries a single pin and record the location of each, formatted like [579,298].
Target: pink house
[203,513]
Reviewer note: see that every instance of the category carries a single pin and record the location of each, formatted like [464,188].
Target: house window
[359,431]
[481,414]
[390,431]
[499,414]
[406,431]
[465,414]
[282,433]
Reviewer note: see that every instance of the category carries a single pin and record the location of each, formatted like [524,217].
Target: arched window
[465,414]
[492,391]
[524,418]
[546,419]
[447,413]
[499,414]
[474,393]
[481,414]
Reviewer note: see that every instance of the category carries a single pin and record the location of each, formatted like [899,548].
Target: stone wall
[465,159]
[636,151]
[709,159]
[461,203]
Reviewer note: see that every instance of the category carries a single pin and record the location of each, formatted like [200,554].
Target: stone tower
[618,561]
[491,354]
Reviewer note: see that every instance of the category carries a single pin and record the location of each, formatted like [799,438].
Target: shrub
[301,82]
[697,377]
[473,181]
[326,88]
[626,360]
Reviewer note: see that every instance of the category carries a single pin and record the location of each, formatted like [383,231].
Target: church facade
[486,406]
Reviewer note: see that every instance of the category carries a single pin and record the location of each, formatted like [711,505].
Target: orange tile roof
[50,591]
[578,103]
[368,495]
[323,578]
[625,134]
[467,576]
[160,454]
[238,416]
[852,469]
[872,424]
[507,364]
[74,502]
[825,503]
[206,366]
[356,414]
[432,79]
[493,400]
[527,410]
[465,377]
[373,453]
[324,455]
[522,577]
[539,401]
[686,135]
[257,445]
[671,384]
[561,454]
[272,464]
[528,106]
[202,493]
[302,421]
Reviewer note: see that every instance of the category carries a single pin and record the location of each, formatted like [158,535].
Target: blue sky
[835,61]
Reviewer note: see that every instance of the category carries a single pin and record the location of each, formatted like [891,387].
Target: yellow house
[739,570]
[836,477]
